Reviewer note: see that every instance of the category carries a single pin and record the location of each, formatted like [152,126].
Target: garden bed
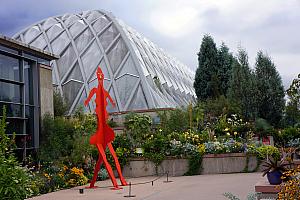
[211,164]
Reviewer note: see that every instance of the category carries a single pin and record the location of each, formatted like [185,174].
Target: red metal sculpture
[104,134]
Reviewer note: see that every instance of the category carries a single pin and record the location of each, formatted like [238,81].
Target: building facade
[25,91]
[138,74]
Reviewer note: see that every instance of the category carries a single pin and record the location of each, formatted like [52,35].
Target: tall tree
[206,79]
[242,86]
[292,110]
[225,61]
[271,92]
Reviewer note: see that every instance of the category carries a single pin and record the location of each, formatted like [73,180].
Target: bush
[268,151]
[290,133]
[15,182]
[174,121]
[56,138]
[136,126]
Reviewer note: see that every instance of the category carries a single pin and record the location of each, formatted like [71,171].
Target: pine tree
[271,92]
[242,86]
[225,61]
[206,79]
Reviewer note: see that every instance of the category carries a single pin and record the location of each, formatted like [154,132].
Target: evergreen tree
[271,92]
[292,110]
[242,86]
[225,61]
[206,79]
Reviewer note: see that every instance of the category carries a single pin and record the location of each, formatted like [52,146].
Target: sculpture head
[100,74]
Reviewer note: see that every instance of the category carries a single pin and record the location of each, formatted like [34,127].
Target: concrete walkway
[202,187]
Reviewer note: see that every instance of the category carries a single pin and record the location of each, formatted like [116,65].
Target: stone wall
[211,164]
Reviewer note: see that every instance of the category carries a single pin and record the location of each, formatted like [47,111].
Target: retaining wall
[211,164]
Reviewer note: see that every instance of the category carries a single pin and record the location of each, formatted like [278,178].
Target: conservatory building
[138,74]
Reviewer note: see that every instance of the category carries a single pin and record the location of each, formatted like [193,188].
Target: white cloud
[174,21]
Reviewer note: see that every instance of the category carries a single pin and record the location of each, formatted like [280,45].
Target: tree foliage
[225,61]
[206,81]
[292,110]
[271,92]
[60,106]
[242,86]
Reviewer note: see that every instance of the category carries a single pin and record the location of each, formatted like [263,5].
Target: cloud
[174,21]
[178,26]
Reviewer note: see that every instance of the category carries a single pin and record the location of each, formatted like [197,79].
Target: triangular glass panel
[75,74]
[139,101]
[48,23]
[128,68]
[125,86]
[91,58]
[108,36]
[71,19]
[94,15]
[83,39]
[76,28]
[31,33]
[66,60]
[100,23]
[70,91]
[54,31]
[39,42]
[117,54]
[60,43]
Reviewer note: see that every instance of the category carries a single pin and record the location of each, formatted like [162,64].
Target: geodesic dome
[138,74]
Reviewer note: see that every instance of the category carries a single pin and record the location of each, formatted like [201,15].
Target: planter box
[139,167]
[211,164]
[227,163]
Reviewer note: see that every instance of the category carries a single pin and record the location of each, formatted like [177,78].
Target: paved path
[202,187]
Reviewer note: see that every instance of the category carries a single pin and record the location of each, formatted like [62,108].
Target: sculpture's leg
[107,166]
[96,171]
[113,153]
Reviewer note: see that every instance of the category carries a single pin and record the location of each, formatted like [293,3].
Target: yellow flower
[235,133]
[228,133]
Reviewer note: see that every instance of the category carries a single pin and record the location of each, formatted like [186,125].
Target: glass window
[4,48]
[66,61]
[100,24]
[91,58]
[9,68]
[60,43]
[108,36]
[10,92]
[117,54]
[83,40]
[71,90]
[12,110]
[14,126]
[28,83]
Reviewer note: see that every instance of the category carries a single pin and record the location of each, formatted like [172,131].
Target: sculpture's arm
[110,99]
[91,94]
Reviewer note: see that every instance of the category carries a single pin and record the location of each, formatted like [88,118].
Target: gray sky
[179,25]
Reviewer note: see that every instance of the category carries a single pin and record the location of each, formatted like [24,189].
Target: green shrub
[59,104]
[290,133]
[56,138]
[267,151]
[136,126]
[174,121]
[15,182]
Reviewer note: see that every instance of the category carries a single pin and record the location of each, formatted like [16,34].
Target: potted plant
[274,169]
